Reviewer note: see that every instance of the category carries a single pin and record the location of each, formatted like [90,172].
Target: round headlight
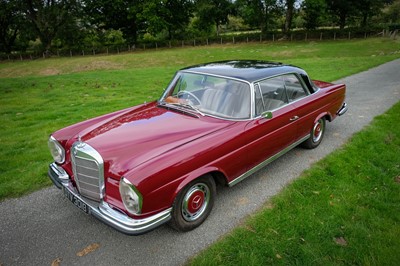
[56,150]
[130,196]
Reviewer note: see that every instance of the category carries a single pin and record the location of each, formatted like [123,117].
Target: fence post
[233,39]
[182,43]
[20,57]
[221,40]
[320,37]
[260,37]
[107,50]
[365,35]
[247,39]
[194,42]
[117,50]
[94,52]
[291,37]
[207,41]
[306,37]
[334,36]
[83,52]
[70,53]
[349,35]
[156,46]
[273,37]
[169,44]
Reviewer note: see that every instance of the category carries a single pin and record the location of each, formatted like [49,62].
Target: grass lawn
[345,210]
[41,96]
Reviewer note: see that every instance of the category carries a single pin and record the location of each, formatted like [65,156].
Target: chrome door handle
[294,118]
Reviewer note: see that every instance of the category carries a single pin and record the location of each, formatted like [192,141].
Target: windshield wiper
[185,105]
[188,105]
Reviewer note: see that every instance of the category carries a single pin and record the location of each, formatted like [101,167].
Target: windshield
[216,96]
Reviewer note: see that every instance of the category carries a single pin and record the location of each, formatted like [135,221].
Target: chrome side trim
[269,160]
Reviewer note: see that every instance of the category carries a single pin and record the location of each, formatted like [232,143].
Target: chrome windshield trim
[269,160]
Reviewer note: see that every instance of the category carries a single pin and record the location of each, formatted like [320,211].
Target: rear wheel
[193,204]
[316,134]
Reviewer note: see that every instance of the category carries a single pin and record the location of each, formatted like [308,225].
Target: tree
[289,5]
[11,23]
[258,13]
[313,11]
[170,15]
[213,12]
[368,8]
[391,12]
[48,17]
[342,9]
[118,15]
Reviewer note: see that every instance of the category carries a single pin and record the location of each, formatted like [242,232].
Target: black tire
[316,134]
[193,204]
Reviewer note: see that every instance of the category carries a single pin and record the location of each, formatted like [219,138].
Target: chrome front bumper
[104,212]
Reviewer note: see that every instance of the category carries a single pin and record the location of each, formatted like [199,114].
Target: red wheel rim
[195,202]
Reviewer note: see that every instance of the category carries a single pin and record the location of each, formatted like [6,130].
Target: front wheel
[193,204]
[316,134]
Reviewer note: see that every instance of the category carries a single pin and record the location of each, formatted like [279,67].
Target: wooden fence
[221,40]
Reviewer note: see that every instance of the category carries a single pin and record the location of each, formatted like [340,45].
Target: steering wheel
[190,94]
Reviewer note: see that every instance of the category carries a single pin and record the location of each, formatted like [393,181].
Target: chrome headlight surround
[56,150]
[130,196]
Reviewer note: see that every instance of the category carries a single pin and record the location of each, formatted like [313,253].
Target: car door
[270,135]
[304,103]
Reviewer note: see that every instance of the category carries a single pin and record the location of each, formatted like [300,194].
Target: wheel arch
[217,174]
[326,115]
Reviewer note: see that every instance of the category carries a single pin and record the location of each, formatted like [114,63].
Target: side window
[294,88]
[271,95]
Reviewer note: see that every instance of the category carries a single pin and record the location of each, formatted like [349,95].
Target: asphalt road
[44,227]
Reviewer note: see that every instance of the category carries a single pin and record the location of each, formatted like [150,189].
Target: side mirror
[267,115]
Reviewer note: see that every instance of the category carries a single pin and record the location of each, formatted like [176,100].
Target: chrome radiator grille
[88,169]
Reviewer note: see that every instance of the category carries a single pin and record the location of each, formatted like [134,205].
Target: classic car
[215,123]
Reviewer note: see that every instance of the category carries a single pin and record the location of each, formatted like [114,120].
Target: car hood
[136,136]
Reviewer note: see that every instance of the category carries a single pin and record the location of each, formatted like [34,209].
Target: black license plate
[76,201]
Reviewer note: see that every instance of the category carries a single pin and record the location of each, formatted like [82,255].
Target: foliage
[262,14]
[55,25]
[11,24]
[49,17]
[213,13]
[314,11]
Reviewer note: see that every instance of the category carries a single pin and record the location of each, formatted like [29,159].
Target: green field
[345,210]
[41,96]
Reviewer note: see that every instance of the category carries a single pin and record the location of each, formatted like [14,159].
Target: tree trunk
[342,21]
[289,16]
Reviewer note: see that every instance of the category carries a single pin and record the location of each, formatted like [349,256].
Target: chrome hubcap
[318,129]
[195,202]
